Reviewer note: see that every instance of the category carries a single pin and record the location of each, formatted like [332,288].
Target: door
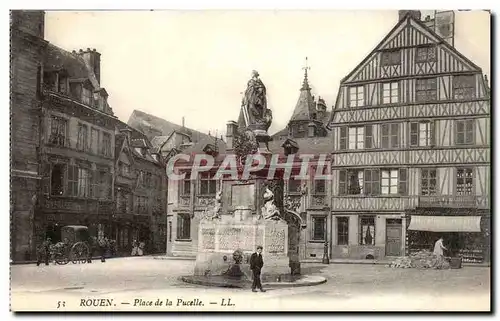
[393,242]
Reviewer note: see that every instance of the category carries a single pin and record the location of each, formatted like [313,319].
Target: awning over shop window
[445,223]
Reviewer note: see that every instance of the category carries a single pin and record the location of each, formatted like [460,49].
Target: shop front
[465,234]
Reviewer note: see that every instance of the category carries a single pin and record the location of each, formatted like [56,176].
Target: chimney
[415,14]
[182,121]
[93,59]
[231,131]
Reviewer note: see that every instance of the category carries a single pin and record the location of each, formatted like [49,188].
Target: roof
[199,146]
[305,106]
[314,145]
[153,126]
[157,141]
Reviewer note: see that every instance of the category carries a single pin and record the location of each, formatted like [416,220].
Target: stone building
[77,145]
[27,49]
[140,193]
[411,161]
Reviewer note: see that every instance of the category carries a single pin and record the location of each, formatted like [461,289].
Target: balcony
[454,201]
[372,203]
[77,205]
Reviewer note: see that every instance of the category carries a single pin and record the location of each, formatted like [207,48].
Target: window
[142,204]
[94,184]
[57,179]
[391,58]
[183,226]
[94,141]
[372,182]
[351,182]
[342,230]
[58,131]
[389,182]
[356,96]
[83,182]
[390,135]
[464,181]
[125,169]
[62,85]
[394,182]
[319,186]
[343,138]
[73,181]
[106,144]
[207,184]
[425,54]
[390,93]
[318,228]
[464,87]
[104,184]
[87,96]
[367,230]
[81,143]
[421,134]
[426,89]
[356,137]
[186,185]
[464,131]
[428,181]
[294,186]
[121,202]
[369,136]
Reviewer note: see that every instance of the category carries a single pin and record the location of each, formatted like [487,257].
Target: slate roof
[305,106]
[153,126]
[315,145]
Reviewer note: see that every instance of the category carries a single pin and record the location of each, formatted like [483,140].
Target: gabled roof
[199,147]
[158,141]
[421,35]
[314,145]
[153,126]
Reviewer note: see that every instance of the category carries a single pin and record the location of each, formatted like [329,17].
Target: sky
[196,64]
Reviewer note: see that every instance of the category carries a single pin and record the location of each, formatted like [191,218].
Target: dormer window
[87,96]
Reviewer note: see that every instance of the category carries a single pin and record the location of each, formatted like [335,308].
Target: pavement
[149,284]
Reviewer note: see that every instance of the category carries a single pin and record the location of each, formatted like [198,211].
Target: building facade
[411,128]
[77,145]
[27,49]
[140,194]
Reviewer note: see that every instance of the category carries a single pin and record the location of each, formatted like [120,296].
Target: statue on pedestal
[254,104]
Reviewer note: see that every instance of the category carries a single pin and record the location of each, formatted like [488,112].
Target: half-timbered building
[140,193]
[411,128]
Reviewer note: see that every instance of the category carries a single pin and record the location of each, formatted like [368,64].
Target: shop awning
[445,223]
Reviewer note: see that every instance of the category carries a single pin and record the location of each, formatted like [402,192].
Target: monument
[250,212]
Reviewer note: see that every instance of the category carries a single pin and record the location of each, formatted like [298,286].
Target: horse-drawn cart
[75,246]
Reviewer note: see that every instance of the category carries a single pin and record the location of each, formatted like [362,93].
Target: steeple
[305,83]
[305,109]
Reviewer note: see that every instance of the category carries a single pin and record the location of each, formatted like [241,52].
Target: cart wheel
[61,259]
[79,253]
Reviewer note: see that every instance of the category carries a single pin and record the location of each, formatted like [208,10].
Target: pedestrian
[256,264]
[438,251]
[44,252]
[135,248]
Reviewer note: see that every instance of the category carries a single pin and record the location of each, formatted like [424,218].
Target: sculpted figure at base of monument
[269,210]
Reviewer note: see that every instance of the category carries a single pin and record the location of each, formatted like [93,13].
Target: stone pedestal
[219,239]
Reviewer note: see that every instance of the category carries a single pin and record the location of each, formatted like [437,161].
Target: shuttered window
[343,138]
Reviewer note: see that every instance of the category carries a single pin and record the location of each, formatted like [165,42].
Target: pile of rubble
[420,260]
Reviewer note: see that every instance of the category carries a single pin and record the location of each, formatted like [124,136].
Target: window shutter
[432,139]
[414,130]
[402,181]
[385,135]
[369,136]
[342,182]
[343,138]
[375,182]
